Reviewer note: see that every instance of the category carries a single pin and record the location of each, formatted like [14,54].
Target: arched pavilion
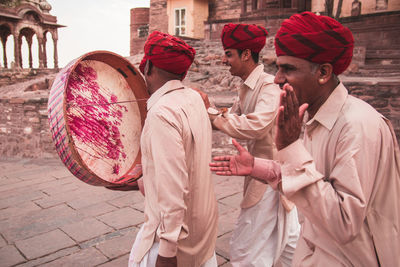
[28,18]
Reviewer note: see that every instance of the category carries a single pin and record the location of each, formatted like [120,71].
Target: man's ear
[325,73]
[148,67]
[246,54]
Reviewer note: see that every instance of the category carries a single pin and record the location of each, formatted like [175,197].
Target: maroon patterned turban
[243,36]
[168,53]
[318,39]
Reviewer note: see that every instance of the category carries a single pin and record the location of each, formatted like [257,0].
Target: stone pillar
[20,52]
[44,51]
[4,42]
[55,53]
[29,39]
[17,51]
[254,5]
[40,48]
[263,4]
[243,7]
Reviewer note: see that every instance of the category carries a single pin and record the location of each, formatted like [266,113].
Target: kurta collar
[166,88]
[251,81]
[328,113]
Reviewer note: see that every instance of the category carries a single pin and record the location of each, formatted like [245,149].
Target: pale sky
[93,25]
[90,25]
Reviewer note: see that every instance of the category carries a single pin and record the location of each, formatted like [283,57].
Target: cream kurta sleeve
[171,177]
[337,204]
[252,125]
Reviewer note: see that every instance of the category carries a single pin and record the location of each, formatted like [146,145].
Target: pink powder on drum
[116,169]
[92,119]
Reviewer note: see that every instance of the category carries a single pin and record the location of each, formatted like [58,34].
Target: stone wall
[224,9]
[24,130]
[380,30]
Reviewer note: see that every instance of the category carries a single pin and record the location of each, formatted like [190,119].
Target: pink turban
[168,53]
[318,39]
[243,36]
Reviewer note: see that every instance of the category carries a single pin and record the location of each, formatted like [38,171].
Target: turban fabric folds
[317,39]
[243,36]
[168,53]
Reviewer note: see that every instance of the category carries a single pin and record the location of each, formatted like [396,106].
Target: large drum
[97,107]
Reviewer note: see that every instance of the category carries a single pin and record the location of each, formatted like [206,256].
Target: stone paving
[50,218]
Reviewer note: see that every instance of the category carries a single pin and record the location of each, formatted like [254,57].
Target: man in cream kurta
[257,240]
[344,177]
[180,227]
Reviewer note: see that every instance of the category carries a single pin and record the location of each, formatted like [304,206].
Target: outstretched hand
[241,164]
[289,118]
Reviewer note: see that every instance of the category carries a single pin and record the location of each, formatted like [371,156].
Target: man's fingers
[291,109]
[283,102]
[227,173]
[221,158]
[294,99]
[220,168]
[238,146]
[219,164]
[280,117]
[302,110]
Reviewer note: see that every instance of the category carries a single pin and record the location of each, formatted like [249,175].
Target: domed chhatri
[45,6]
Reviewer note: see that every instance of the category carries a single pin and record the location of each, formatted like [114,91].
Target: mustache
[282,84]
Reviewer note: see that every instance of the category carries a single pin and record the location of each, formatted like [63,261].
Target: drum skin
[97,134]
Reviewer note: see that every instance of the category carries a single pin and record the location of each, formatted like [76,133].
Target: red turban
[243,36]
[168,53]
[318,39]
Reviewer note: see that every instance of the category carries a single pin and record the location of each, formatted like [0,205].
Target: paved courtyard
[50,218]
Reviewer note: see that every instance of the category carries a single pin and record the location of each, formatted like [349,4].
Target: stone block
[122,218]
[43,112]
[34,120]
[44,244]
[29,107]
[127,200]
[118,246]
[222,245]
[221,260]
[2,242]
[51,257]
[85,257]
[96,210]
[86,229]
[18,210]
[17,101]
[118,262]
[226,222]
[10,256]
[31,224]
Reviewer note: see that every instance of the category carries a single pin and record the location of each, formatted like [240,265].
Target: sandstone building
[373,22]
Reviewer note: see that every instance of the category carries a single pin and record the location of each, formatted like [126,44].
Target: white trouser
[254,240]
[149,260]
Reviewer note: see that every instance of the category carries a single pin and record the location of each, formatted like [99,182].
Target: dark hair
[170,74]
[254,55]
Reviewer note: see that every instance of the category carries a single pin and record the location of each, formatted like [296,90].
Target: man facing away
[271,238]
[180,227]
[344,177]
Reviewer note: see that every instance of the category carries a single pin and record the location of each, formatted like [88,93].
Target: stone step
[382,67]
[383,53]
[374,71]
[382,61]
